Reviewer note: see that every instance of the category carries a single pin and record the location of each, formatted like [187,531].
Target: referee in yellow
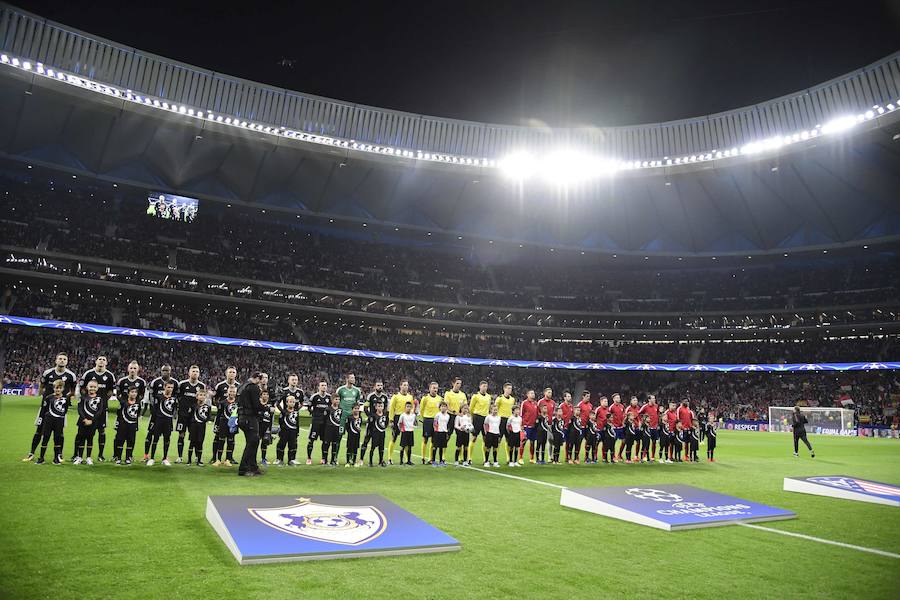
[428,408]
[396,408]
[480,406]
[505,403]
[454,399]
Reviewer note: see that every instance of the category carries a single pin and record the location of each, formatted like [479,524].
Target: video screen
[171,207]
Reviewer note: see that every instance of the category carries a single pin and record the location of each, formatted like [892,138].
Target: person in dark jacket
[248,422]
[798,423]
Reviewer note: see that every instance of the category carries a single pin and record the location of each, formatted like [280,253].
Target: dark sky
[604,62]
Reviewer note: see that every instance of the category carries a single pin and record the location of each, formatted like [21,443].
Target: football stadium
[254,338]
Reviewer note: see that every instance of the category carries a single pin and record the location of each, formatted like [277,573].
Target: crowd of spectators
[227,241]
[208,319]
[729,395]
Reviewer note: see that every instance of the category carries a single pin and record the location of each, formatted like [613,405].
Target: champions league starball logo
[651,494]
[349,525]
[681,507]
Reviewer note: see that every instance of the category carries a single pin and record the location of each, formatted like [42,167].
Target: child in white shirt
[491,436]
[514,436]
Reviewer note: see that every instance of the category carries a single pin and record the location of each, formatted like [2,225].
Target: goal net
[825,421]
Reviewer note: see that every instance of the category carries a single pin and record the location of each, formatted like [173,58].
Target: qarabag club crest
[350,525]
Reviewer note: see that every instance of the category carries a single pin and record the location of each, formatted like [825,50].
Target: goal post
[825,421]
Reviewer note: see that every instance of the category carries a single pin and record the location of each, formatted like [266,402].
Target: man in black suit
[248,422]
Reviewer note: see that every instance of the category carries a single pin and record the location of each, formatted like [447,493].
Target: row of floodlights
[559,167]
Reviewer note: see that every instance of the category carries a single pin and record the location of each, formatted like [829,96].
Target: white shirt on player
[463,423]
[514,424]
[492,424]
[441,421]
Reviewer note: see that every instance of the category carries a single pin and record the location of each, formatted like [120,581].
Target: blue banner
[20,389]
[429,358]
[281,528]
[745,425]
[670,506]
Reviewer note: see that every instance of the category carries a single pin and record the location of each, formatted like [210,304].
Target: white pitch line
[498,473]
[560,487]
[823,541]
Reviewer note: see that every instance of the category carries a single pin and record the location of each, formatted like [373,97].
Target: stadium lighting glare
[565,167]
[519,166]
[839,124]
[562,167]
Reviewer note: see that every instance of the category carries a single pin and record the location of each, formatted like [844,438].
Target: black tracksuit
[798,422]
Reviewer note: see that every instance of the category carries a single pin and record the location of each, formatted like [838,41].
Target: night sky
[605,62]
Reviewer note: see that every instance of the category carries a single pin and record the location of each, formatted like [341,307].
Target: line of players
[547,429]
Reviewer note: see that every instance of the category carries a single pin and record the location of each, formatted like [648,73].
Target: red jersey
[529,413]
[652,410]
[618,414]
[600,416]
[671,419]
[636,412]
[585,409]
[567,410]
[686,416]
[549,403]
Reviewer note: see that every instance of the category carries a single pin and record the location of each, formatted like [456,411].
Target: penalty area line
[811,538]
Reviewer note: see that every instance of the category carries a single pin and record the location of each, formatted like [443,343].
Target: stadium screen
[171,207]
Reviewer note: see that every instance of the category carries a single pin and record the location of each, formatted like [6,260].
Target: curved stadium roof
[818,168]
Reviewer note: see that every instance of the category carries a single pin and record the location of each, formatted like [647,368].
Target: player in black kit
[201,414]
[106,383]
[292,389]
[375,396]
[220,394]
[187,396]
[127,418]
[54,421]
[317,405]
[224,436]
[156,393]
[88,410]
[58,372]
[334,415]
[266,414]
[378,433]
[289,427]
[354,425]
[163,412]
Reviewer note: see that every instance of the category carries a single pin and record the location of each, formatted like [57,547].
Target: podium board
[261,529]
[670,507]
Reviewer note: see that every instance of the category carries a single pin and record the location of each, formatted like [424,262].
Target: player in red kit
[601,415]
[671,416]
[547,401]
[686,418]
[651,409]
[583,411]
[568,411]
[529,420]
[617,415]
[634,410]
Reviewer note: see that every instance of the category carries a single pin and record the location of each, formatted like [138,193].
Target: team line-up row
[611,432]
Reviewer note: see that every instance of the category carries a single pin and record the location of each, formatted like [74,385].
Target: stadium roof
[818,168]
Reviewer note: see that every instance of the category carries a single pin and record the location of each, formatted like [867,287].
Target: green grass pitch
[137,532]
